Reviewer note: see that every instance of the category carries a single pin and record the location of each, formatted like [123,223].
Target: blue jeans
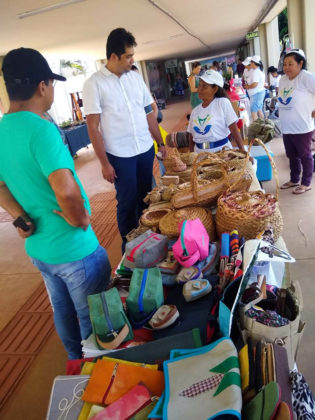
[133,182]
[68,286]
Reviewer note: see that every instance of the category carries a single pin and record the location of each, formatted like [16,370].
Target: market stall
[203,319]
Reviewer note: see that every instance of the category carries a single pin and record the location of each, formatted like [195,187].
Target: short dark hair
[298,58]
[272,69]
[22,91]
[117,42]
[195,64]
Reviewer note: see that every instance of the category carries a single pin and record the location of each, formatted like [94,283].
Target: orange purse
[110,381]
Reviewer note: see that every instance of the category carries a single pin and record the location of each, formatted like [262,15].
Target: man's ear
[114,57]
[42,88]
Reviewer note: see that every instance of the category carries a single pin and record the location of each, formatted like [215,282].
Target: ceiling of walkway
[163,28]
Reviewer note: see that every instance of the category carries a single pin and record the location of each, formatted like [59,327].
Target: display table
[77,137]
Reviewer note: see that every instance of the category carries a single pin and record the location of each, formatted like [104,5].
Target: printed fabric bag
[302,397]
[192,244]
[145,295]
[147,250]
[204,385]
[109,321]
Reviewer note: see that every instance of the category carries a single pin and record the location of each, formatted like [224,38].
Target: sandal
[301,189]
[289,184]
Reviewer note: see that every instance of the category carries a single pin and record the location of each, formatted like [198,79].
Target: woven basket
[134,233]
[173,162]
[233,158]
[151,218]
[169,224]
[200,194]
[183,176]
[250,212]
[188,158]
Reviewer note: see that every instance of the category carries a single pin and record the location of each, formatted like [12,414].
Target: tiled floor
[19,279]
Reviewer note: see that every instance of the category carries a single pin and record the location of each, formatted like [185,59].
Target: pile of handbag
[263,309]
[152,261]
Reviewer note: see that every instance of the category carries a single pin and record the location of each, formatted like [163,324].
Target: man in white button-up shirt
[121,132]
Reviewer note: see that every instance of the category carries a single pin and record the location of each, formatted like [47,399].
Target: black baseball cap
[26,66]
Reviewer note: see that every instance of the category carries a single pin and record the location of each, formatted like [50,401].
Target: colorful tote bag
[205,384]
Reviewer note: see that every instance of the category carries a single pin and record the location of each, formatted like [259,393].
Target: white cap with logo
[212,77]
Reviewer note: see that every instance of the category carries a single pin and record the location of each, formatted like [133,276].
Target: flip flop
[289,184]
[301,189]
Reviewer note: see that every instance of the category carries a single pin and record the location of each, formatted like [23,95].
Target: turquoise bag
[145,295]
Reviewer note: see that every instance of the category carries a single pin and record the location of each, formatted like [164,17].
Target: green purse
[145,295]
[110,324]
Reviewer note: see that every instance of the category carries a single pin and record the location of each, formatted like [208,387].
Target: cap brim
[58,77]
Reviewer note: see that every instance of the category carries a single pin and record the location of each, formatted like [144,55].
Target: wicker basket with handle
[250,212]
[233,158]
[169,223]
[202,194]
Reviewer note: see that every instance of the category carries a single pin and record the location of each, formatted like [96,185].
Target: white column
[263,46]
[309,33]
[256,46]
[272,38]
[295,22]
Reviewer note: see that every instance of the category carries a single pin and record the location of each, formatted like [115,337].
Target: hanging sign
[251,35]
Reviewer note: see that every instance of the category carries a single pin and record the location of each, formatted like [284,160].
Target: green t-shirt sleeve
[49,151]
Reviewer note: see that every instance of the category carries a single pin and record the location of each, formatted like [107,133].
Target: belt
[212,144]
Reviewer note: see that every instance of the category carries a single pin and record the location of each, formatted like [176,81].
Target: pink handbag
[192,244]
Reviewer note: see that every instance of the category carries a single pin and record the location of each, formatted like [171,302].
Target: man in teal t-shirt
[39,187]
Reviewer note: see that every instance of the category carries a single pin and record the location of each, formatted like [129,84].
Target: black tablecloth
[77,137]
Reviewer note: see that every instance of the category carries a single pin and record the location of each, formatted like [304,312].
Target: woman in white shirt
[296,103]
[214,119]
[255,87]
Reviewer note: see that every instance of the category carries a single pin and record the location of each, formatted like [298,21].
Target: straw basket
[241,180]
[202,194]
[173,162]
[233,158]
[151,218]
[183,176]
[250,212]
[169,224]
[188,158]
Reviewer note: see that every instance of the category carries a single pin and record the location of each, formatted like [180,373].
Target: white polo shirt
[120,101]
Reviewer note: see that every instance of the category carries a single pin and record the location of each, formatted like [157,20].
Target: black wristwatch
[161,144]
